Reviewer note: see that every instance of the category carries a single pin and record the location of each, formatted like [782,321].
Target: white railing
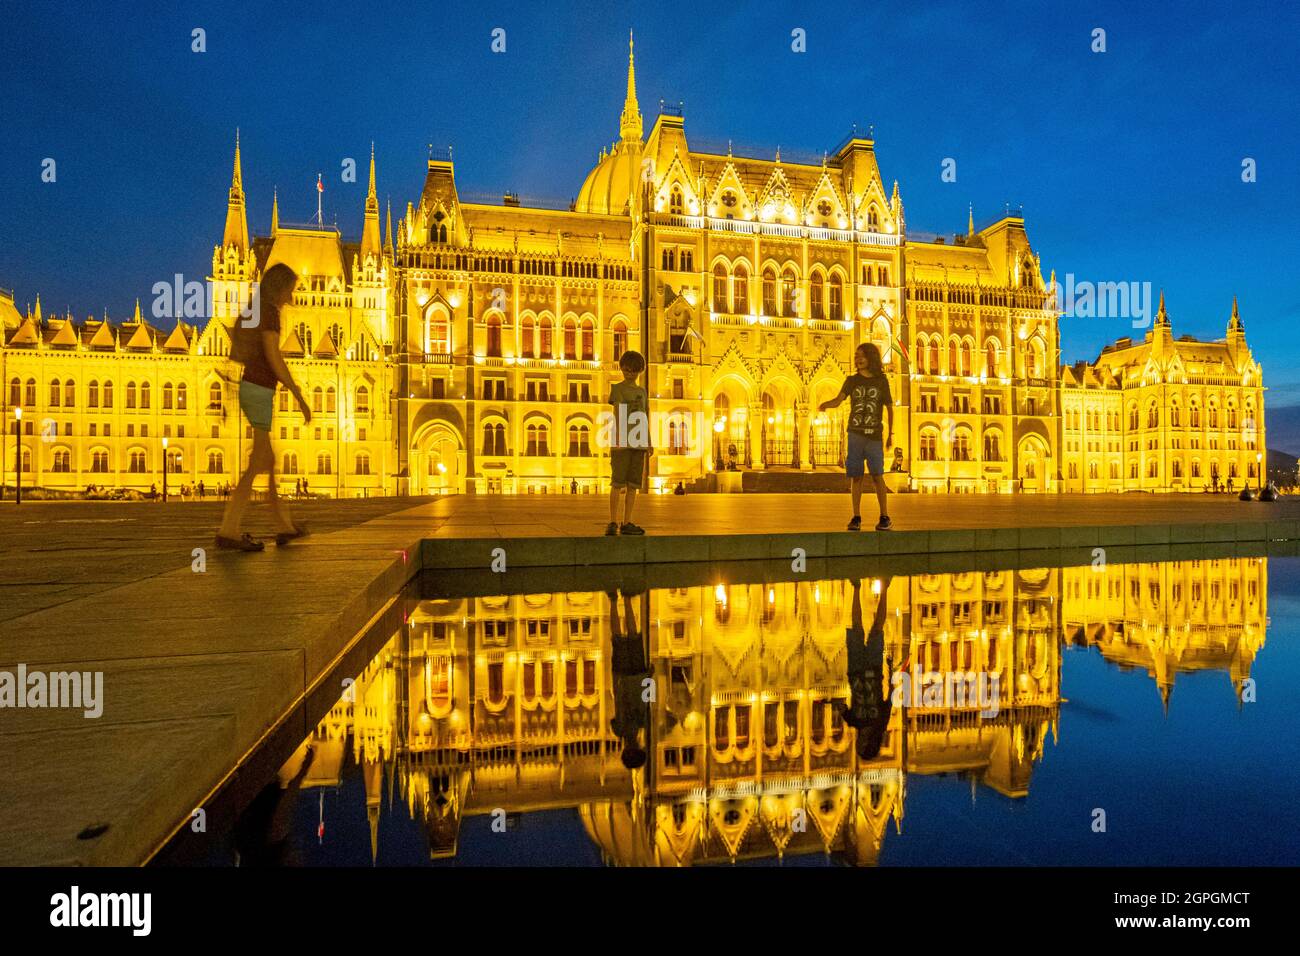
[781,229]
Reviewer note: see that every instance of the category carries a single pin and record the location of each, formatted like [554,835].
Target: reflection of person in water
[869,706]
[628,662]
[262,833]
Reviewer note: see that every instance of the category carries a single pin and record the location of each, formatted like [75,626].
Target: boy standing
[867,390]
[629,446]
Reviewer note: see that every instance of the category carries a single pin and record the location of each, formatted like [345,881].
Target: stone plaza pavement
[200,667]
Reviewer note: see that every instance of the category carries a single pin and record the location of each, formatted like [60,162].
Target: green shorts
[627,466]
[258,404]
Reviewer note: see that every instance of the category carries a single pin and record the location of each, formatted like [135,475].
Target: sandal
[245,542]
[284,537]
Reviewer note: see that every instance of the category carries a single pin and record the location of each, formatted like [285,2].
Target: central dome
[607,190]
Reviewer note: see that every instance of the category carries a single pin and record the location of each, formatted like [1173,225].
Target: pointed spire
[388,229]
[1162,317]
[970,221]
[370,229]
[1234,324]
[236,233]
[275,211]
[38,308]
[136,318]
[629,123]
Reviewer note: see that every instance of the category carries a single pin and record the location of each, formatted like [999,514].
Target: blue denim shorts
[258,403]
[863,450]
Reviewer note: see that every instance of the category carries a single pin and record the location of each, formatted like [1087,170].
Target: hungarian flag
[320,186]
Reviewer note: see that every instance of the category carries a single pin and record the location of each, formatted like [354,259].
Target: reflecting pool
[1139,713]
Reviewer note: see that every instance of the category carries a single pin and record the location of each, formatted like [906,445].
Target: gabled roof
[102,337]
[65,335]
[178,340]
[140,337]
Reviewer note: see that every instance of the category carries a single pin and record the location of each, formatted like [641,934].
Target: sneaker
[855,523]
[611,528]
[245,542]
[884,524]
[630,528]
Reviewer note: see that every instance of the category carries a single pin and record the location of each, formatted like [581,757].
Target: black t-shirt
[867,400]
[256,368]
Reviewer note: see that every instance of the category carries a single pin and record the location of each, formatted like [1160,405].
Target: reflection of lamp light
[720,594]
[720,425]
[442,469]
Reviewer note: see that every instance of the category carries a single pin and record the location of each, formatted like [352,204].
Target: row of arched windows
[780,293]
[961,439]
[537,338]
[63,394]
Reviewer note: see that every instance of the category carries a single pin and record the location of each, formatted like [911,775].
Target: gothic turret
[370,229]
[236,232]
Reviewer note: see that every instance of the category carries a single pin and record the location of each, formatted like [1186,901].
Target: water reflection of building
[1170,618]
[505,703]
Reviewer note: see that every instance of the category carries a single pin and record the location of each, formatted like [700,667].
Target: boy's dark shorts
[627,466]
[864,450]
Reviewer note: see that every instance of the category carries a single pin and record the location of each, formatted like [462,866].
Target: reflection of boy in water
[869,700]
[628,662]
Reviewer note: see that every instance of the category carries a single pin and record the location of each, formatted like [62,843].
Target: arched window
[290,463]
[929,450]
[835,312]
[1194,415]
[182,396]
[324,463]
[144,394]
[130,394]
[304,336]
[528,337]
[992,446]
[769,292]
[15,391]
[1153,416]
[961,450]
[675,203]
[56,392]
[620,339]
[439,332]
[494,335]
[108,393]
[92,394]
[967,358]
[816,297]
[99,461]
[932,363]
[216,463]
[547,333]
[173,461]
[1133,418]
[536,435]
[62,460]
[1174,415]
[788,291]
[317,398]
[570,339]
[31,393]
[740,290]
[1232,416]
[579,441]
[331,401]
[215,402]
[1027,274]
[588,339]
[284,398]
[137,462]
[721,300]
[494,438]
[363,400]
[991,359]
[363,463]
[336,335]
[1214,415]
[168,396]
[438,229]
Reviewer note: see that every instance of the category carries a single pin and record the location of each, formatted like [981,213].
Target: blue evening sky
[1128,163]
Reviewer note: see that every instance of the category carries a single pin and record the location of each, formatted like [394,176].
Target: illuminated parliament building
[471,348]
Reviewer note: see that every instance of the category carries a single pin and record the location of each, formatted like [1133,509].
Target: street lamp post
[1259,471]
[18,455]
[164,469]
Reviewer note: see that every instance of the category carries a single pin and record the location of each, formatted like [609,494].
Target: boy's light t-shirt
[629,399]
